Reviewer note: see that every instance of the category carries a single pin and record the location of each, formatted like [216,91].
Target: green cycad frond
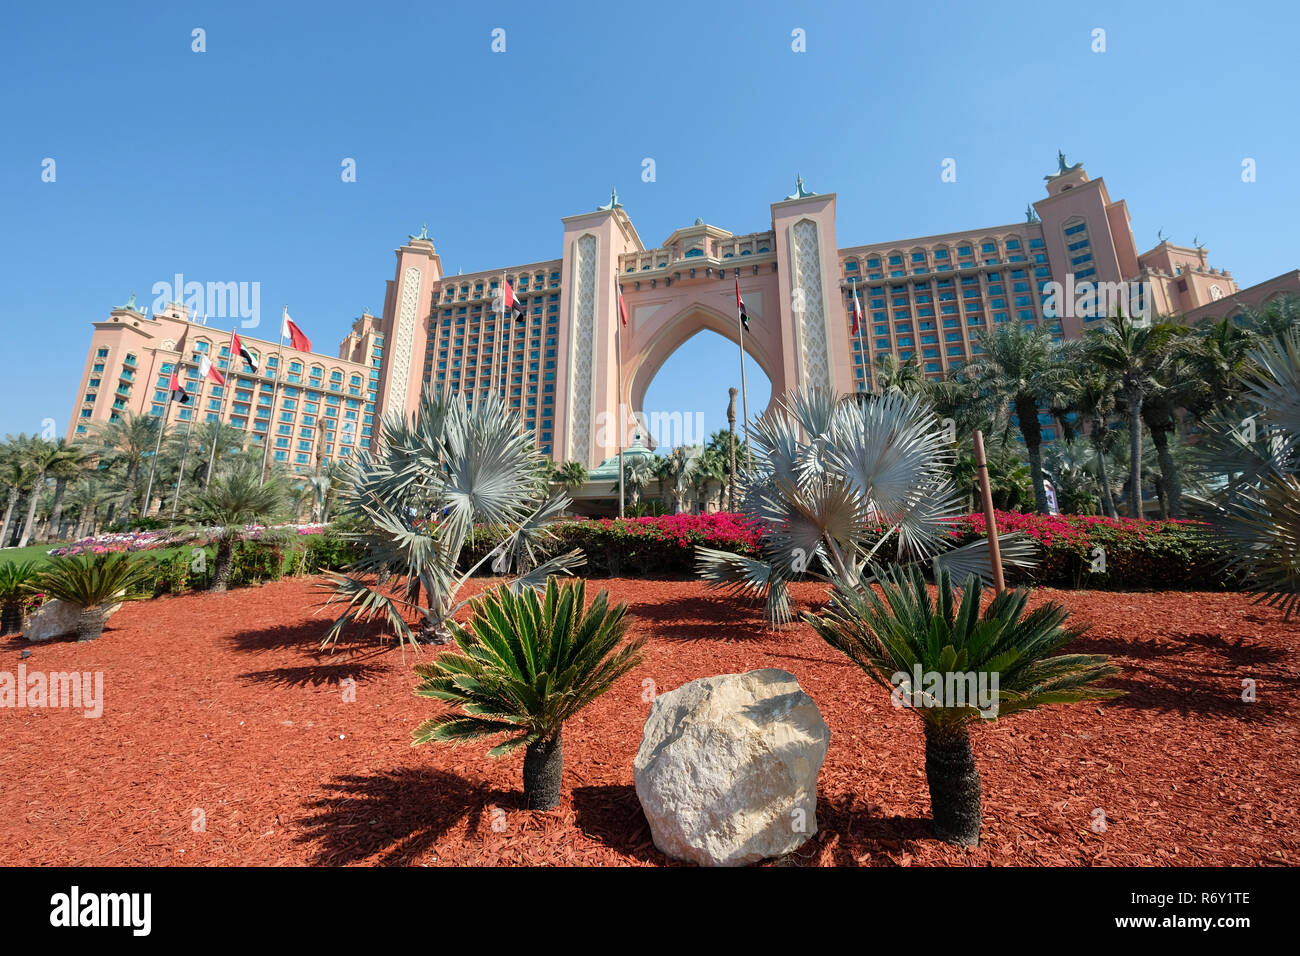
[899,630]
[92,580]
[527,663]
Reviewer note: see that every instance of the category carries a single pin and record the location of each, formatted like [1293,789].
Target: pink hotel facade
[922,298]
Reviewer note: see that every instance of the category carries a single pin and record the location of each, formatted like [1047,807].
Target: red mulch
[221,703]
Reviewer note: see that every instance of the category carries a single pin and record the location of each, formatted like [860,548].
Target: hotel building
[557,365]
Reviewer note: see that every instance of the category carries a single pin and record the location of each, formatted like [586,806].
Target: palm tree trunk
[225,560]
[1027,412]
[954,785]
[56,509]
[543,771]
[1173,485]
[9,513]
[90,624]
[1135,454]
[32,498]
[1107,499]
[11,617]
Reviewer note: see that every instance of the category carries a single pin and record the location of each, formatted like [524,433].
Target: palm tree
[88,496]
[234,500]
[638,472]
[895,376]
[836,482]
[678,469]
[434,476]
[1094,401]
[1173,385]
[69,463]
[1219,357]
[572,475]
[92,583]
[128,443]
[40,456]
[1131,352]
[526,665]
[711,466]
[1023,368]
[1276,317]
[14,477]
[904,642]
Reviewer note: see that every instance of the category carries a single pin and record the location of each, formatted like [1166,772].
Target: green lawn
[33,552]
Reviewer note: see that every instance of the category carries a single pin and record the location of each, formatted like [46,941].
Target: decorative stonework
[404,341]
[814,361]
[581,346]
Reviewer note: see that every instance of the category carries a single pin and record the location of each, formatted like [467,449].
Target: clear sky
[225,165]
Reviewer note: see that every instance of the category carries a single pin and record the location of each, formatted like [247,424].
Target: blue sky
[225,165]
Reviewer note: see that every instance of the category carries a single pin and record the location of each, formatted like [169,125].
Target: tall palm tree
[88,495]
[711,466]
[638,472]
[41,455]
[1276,317]
[1174,385]
[572,475]
[14,478]
[127,443]
[678,469]
[1023,367]
[1094,401]
[895,376]
[69,464]
[1219,357]
[234,499]
[1132,352]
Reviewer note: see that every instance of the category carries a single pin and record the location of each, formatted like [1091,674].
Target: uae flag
[294,334]
[512,305]
[208,370]
[237,348]
[857,311]
[622,309]
[178,391]
[740,304]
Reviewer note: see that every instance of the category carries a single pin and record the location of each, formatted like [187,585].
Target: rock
[727,768]
[56,618]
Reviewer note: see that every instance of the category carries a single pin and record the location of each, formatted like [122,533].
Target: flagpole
[221,411]
[153,466]
[275,392]
[185,453]
[618,402]
[744,391]
[859,322]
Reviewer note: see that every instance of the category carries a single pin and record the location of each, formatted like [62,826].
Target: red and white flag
[294,334]
[857,311]
[208,370]
[512,304]
[237,348]
[622,309]
[740,306]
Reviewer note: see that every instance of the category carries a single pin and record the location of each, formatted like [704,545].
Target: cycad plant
[16,579]
[432,478]
[92,583]
[234,500]
[837,482]
[527,664]
[954,665]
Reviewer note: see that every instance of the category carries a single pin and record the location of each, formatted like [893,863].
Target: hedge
[1138,555]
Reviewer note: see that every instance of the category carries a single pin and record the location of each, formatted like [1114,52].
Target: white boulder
[727,768]
[56,618]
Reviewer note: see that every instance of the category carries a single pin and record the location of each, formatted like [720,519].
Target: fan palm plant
[1256,514]
[234,500]
[16,580]
[835,483]
[954,666]
[432,478]
[92,583]
[572,475]
[637,473]
[528,664]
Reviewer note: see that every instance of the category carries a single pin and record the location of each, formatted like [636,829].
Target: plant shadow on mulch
[694,618]
[313,675]
[611,814]
[1214,690]
[851,832]
[307,635]
[398,814]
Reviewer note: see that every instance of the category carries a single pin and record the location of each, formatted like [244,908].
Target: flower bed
[167,538]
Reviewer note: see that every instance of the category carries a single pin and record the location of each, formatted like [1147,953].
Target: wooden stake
[990,520]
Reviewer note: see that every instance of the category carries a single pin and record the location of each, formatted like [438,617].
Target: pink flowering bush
[152,540]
